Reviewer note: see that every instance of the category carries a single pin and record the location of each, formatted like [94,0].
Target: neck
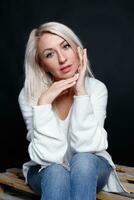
[67,92]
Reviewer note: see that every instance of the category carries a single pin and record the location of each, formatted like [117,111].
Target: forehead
[49,40]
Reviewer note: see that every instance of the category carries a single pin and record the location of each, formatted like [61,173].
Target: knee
[55,180]
[84,163]
[55,172]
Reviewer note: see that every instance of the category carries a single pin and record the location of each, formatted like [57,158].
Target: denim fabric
[88,175]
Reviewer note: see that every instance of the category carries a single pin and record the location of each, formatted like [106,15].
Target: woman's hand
[80,84]
[56,89]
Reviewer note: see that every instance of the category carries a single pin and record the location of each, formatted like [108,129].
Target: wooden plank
[129,186]
[1,189]
[110,196]
[6,196]
[124,177]
[100,196]
[13,177]
[16,171]
[14,182]
[125,169]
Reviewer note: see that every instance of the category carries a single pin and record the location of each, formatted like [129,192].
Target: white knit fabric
[53,140]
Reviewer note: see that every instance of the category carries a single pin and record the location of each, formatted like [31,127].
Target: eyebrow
[52,48]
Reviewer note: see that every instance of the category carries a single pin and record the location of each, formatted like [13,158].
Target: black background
[107,31]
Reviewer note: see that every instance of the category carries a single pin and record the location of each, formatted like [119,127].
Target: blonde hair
[36,79]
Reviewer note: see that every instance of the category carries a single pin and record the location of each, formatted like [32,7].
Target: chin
[68,75]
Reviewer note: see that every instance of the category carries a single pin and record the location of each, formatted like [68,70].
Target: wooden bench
[13,187]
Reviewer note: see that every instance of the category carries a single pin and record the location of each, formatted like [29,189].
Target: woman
[64,108]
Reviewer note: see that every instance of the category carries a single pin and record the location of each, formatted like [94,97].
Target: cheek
[76,59]
[49,66]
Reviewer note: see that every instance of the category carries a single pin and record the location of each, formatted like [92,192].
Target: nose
[61,57]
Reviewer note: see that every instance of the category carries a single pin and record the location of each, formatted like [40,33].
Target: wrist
[81,92]
[42,101]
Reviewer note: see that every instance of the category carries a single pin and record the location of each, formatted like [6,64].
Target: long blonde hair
[36,79]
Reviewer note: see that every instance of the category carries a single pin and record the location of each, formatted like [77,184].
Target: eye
[66,46]
[49,55]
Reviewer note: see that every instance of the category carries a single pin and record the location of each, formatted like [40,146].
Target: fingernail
[77,74]
[79,48]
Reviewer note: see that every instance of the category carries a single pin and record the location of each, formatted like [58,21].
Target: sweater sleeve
[87,121]
[47,143]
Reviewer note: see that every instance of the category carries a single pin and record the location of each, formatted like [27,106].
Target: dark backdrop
[107,30]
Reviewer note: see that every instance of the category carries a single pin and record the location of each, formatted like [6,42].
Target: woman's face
[57,56]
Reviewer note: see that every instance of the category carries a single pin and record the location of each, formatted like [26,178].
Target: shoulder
[21,96]
[23,99]
[94,86]
[94,83]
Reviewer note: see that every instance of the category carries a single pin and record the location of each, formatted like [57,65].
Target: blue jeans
[88,175]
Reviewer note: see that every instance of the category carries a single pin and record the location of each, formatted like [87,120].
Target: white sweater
[53,140]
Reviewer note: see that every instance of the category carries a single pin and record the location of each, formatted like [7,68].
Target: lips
[64,67]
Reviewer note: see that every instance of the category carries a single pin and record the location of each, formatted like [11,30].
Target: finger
[85,59]
[68,86]
[80,55]
[67,81]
